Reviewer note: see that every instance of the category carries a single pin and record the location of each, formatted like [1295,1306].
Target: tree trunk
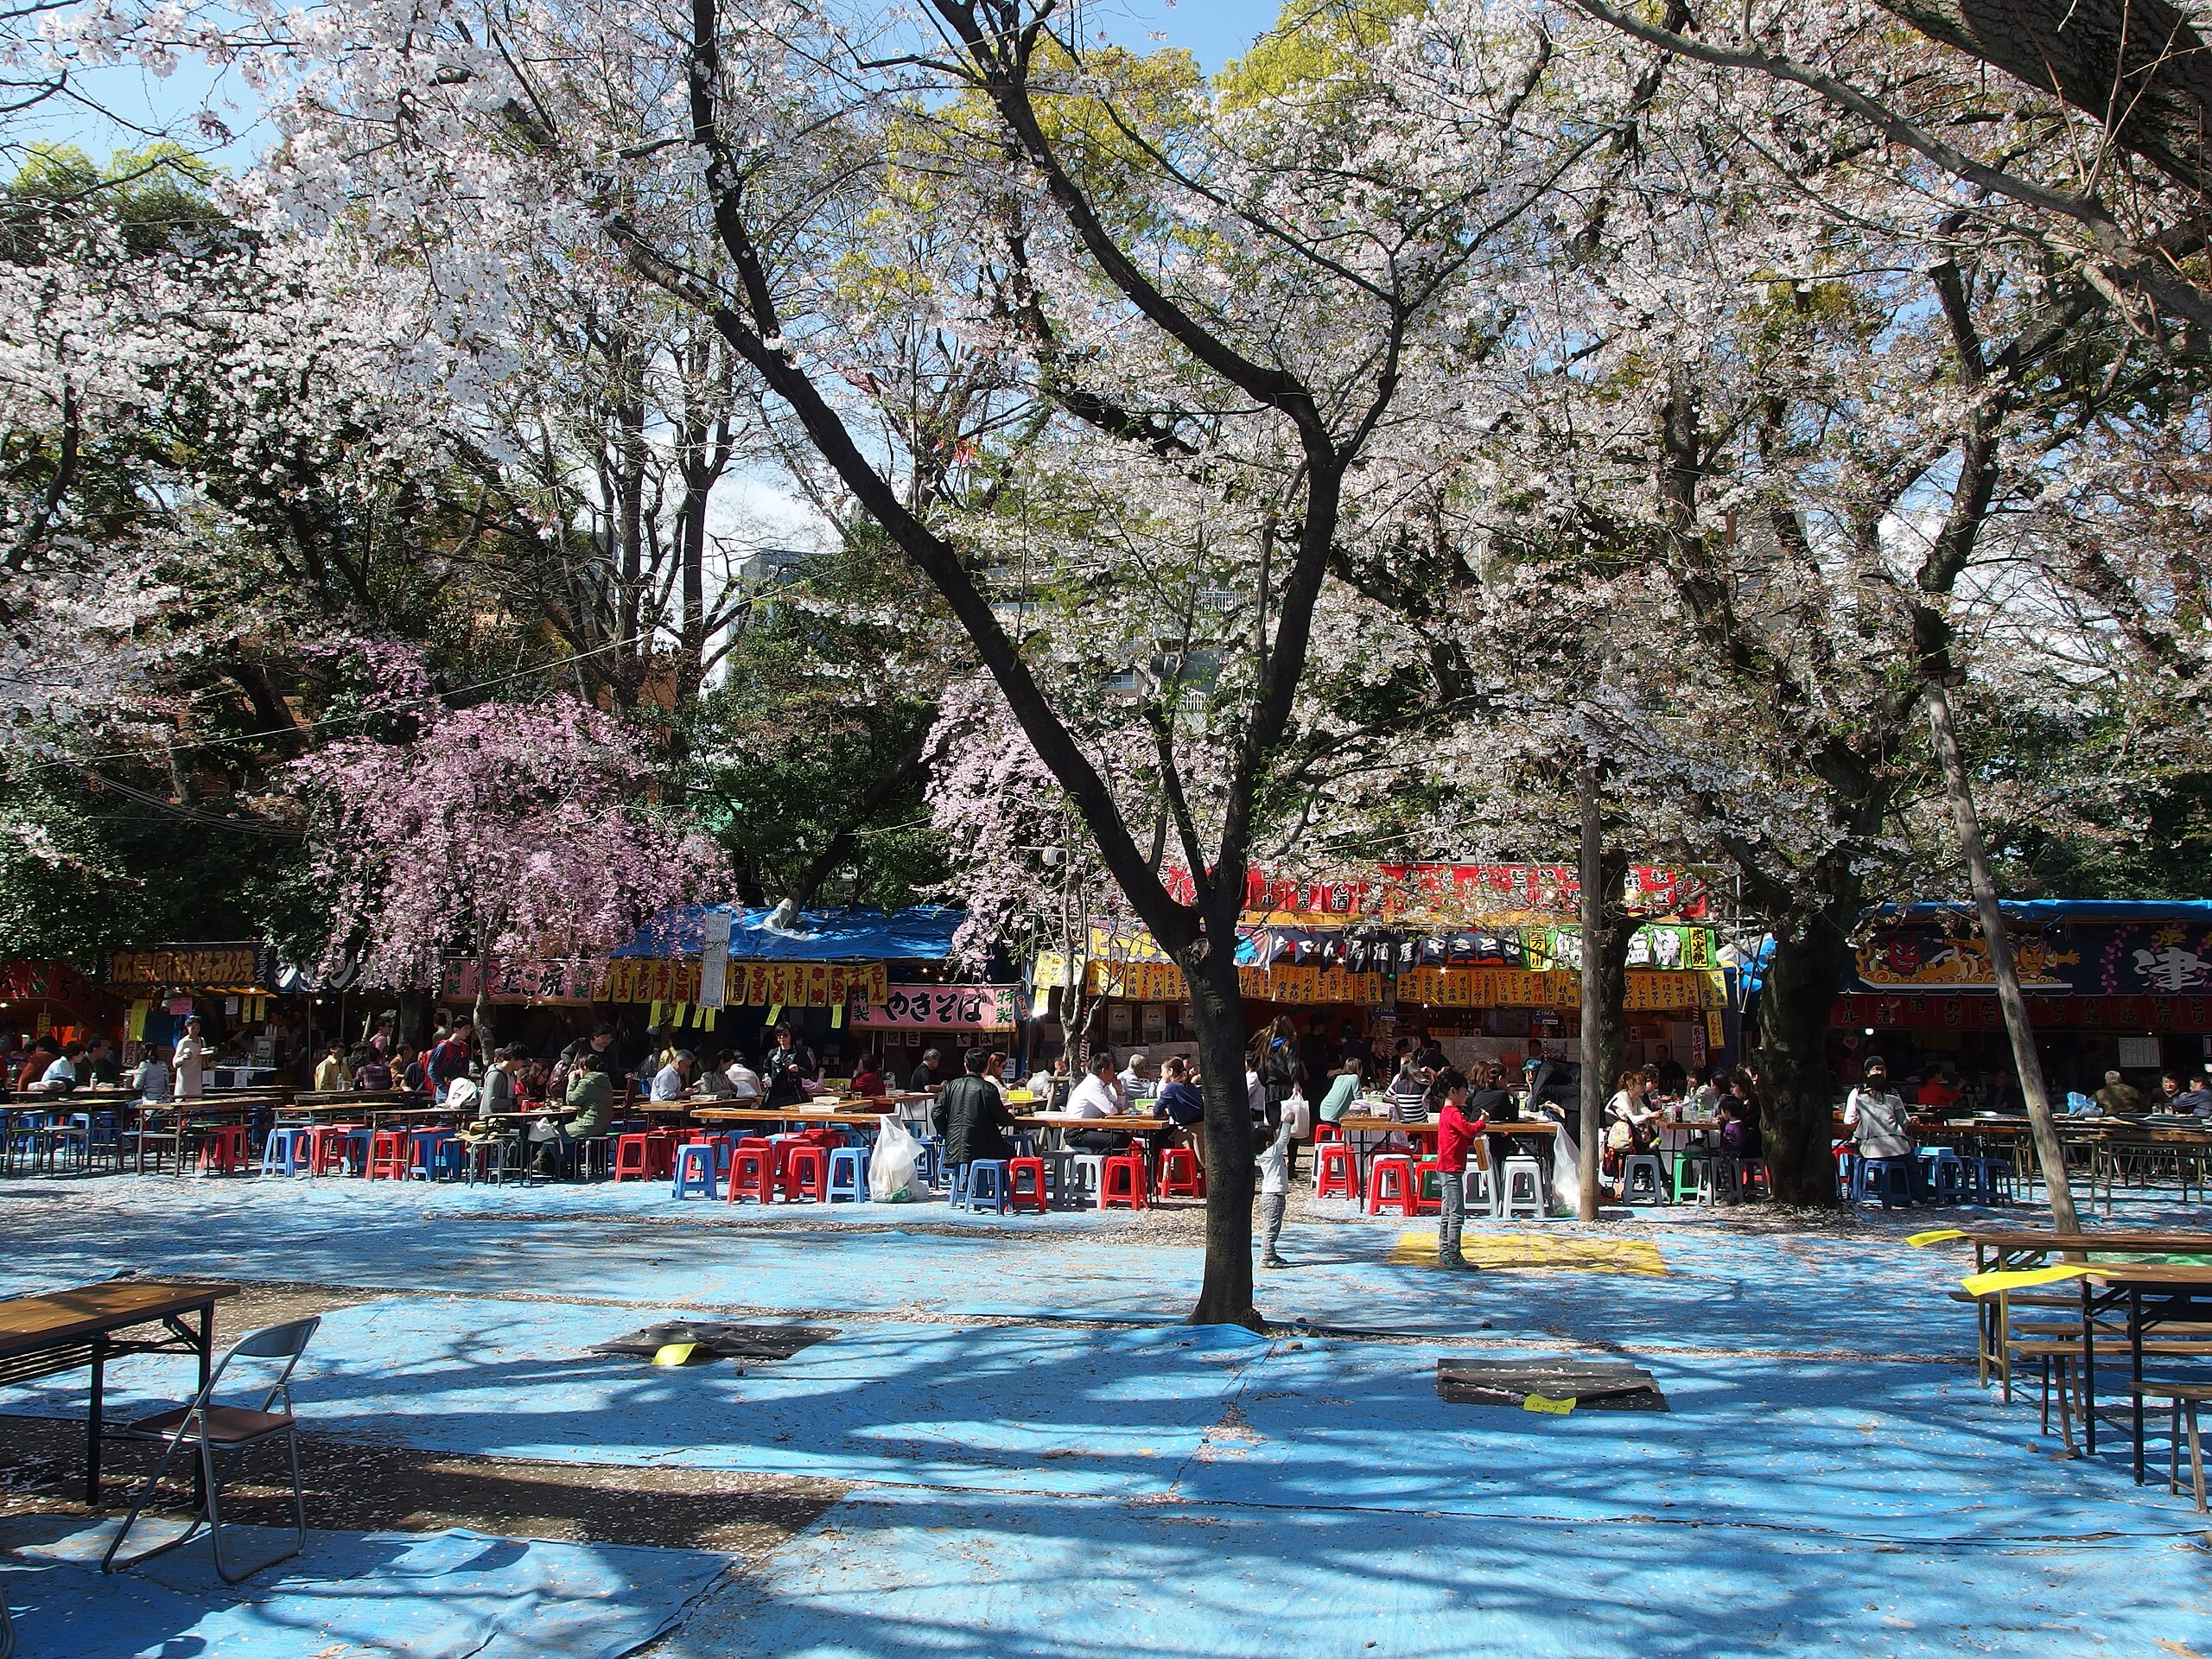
[483,1009]
[1796,1093]
[1606,934]
[1593,926]
[1217,1011]
[2048,1153]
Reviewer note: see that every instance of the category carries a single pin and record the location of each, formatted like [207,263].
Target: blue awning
[2057,910]
[851,934]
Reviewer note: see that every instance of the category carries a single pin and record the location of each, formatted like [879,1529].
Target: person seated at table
[1342,1089]
[330,1075]
[59,1077]
[498,1096]
[970,1117]
[868,1082]
[31,1066]
[2196,1099]
[1936,1088]
[1631,1130]
[746,1087]
[590,1101]
[678,1067]
[151,1076]
[713,1082]
[1408,1089]
[1876,1115]
[2168,1092]
[1181,1104]
[1138,1081]
[1740,1133]
[1099,1095]
[1667,1078]
[371,1070]
[101,1069]
[2118,1097]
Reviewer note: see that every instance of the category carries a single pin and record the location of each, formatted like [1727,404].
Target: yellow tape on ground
[1984,1284]
[1938,1236]
[1504,1251]
[676,1353]
[1544,1402]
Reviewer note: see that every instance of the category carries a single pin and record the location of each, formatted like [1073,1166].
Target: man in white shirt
[672,1079]
[1099,1095]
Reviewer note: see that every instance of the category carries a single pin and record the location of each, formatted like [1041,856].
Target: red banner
[1447,893]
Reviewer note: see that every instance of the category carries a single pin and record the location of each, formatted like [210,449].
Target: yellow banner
[749,984]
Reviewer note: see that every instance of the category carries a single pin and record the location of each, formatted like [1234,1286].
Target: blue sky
[1213,31]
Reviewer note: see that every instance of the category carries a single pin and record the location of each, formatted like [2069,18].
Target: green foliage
[80,871]
[809,750]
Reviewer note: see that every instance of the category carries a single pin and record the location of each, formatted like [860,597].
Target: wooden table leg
[2089,1375]
[92,1422]
[2135,1370]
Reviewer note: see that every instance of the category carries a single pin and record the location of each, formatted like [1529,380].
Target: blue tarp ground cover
[1829,1479]
[891,1575]
[443,1595]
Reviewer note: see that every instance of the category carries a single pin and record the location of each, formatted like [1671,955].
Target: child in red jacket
[1455,1138]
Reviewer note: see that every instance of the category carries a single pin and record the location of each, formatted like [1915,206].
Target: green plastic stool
[1693,1177]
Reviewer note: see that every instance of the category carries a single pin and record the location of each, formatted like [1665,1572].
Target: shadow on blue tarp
[443,1595]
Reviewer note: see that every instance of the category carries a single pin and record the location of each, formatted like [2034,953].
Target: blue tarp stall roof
[2056,910]
[923,933]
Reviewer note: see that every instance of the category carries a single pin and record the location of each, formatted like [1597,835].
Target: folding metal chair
[222,1435]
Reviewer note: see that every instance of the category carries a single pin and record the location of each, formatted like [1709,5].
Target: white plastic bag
[891,1167]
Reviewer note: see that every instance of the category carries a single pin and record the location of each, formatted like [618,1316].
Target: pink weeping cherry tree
[496,831]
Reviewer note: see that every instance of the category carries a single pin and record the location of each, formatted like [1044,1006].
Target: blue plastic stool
[694,1169]
[928,1166]
[1943,1175]
[1999,1183]
[984,1174]
[1895,1178]
[848,1175]
[285,1151]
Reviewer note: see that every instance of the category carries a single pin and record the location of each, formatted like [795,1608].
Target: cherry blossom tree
[496,831]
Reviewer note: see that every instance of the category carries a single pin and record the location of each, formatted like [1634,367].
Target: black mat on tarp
[723,1341]
[1593,1384]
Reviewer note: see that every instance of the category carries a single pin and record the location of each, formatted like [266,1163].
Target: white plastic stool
[1654,1173]
[1479,1192]
[1524,1190]
[1086,1171]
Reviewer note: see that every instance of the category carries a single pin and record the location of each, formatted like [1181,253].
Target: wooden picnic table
[2154,1294]
[63,1330]
[2013,1248]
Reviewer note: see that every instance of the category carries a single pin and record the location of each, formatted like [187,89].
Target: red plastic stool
[750,1166]
[392,1154]
[633,1158]
[1034,1198]
[1327,1135]
[1179,1174]
[1398,1189]
[1122,1182]
[1333,1170]
[222,1149]
[807,1173]
[326,1152]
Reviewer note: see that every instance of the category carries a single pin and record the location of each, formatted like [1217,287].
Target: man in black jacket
[971,1117]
